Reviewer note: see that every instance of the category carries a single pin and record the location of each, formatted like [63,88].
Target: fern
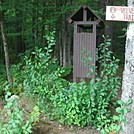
[35,115]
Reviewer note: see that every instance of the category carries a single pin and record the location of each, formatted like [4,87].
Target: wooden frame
[84,20]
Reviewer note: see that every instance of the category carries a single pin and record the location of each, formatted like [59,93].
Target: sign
[120,13]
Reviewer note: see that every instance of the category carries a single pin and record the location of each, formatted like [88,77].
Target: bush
[2,78]
[74,104]
[90,103]
[85,103]
[15,120]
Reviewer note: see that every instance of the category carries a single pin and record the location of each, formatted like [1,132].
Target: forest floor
[52,127]
[46,126]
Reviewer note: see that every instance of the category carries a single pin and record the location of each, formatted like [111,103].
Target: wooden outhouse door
[84,49]
[84,52]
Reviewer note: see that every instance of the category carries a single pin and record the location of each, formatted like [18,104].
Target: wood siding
[83,43]
[85,23]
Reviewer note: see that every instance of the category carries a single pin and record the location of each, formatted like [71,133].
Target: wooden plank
[84,15]
[120,13]
[75,28]
[87,42]
[74,16]
[86,22]
[74,57]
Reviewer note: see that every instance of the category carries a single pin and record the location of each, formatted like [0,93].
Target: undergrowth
[15,119]
[74,104]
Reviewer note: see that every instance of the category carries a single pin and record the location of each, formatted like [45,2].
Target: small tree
[5,45]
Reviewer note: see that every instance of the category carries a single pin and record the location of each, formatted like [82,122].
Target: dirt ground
[54,128]
[45,126]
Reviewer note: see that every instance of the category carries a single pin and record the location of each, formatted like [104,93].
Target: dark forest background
[27,22]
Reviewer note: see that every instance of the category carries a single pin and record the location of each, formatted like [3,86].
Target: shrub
[89,103]
[74,104]
[2,78]
[86,103]
[16,120]
[42,72]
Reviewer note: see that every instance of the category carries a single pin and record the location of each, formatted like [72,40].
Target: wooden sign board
[120,13]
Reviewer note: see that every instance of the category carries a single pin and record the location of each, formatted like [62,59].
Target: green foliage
[41,71]
[2,78]
[15,120]
[83,103]
[121,110]
[35,115]
[73,104]
[17,79]
[106,86]
[90,103]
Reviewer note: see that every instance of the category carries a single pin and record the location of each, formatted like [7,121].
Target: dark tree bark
[20,47]
[108,24]
[58,31]
[5,48]
[43,39]
[35,21]
[67,43]
[67,38]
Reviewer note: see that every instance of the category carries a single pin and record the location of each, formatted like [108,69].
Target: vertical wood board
[83,42]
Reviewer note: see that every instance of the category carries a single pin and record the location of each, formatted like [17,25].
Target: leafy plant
[71,105]
[74,104]
[116,121]
[15,120]
[2,78]
[89,103]
[35,115]
[42,71]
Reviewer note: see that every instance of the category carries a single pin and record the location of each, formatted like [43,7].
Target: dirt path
[46,126]
[55,128]
[48,129]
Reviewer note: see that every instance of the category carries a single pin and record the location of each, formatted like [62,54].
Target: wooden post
[84,15]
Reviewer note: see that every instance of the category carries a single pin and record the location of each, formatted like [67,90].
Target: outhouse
[87,27]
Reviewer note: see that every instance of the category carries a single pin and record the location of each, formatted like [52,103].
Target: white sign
[120,13]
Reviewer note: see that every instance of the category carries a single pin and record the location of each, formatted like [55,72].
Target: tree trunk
[67,39]
[5,49]
[58,30]
[67,45]
[128,78]
[109,26]
[43,40]
[35,21]
[19,41]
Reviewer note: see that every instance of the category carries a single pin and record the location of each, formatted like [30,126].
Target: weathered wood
[120,13]
[84,15]
[83,42]
[78,15]
[70,20]
[85,23]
